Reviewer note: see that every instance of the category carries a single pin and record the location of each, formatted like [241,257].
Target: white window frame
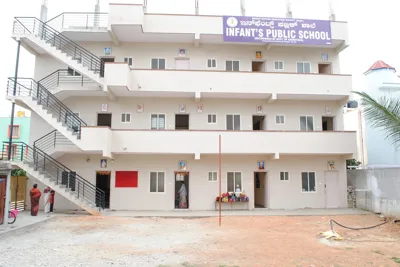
[211,63]
[226,121]
[288,176]
[216,177]
[283,65]
[165,120]
[212,114]
[165,183]
[232,64]
[234,186]
[158,63]
[309,62]
[301,182]
[130,117]
[306,123]
[127,61]
[284,119]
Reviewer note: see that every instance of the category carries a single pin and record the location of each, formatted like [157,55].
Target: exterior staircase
[55,144]
[39,34]
[52,173]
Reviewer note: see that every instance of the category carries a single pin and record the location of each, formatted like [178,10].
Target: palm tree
[384,114]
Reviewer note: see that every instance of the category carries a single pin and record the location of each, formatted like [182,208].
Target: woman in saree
[35,198]
[46,193]
[182,196]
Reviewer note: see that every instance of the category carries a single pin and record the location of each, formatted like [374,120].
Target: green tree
[18,172]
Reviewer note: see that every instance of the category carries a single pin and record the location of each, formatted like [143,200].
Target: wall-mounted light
[88,159]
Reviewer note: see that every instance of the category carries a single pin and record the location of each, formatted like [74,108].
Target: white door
[181,64]
[332,189]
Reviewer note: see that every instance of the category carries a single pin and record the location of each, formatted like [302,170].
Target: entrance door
[324,69]
[181,179]
[103,181]
[103,60]
[258,123]
[2,198]
[257,66]
[104,119]
[332,189]
[181,122]
[260,189]
[328,124]
[182,64]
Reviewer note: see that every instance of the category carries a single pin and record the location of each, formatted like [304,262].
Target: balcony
[222,84]
[233,142]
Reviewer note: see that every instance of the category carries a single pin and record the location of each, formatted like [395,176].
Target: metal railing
[59,77]
[52,140]
[31,25]
[30,88]
[56,172]
[79,21]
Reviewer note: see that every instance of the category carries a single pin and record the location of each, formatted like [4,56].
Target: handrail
[42,30]
[76,19]
[31,88]
[52,139]
[57,77]
[58,172]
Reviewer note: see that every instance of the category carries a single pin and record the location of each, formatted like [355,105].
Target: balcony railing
[79,21]
[52,140]
[59,77]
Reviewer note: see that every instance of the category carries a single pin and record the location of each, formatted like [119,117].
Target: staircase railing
[31,25]
[79,20]
[51,140]
[57,172]
[67,76]
[31,88]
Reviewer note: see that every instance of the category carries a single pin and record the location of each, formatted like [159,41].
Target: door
[182,64]
[181,179]
[18,192]
[104,119]
[103,180]
[260,189]
[332,189]
[104,60]
[181,122]
[2,198]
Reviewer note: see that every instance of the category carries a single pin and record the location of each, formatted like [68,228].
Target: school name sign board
[276,30]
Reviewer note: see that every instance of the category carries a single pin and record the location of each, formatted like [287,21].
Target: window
[308,181]
[232,65]
[306,123]
[212,118]
[284,176]
[157,182]
[280,119]
[303,67]
[234,181]
[278,65]
[72,72]
[15,133]
[212,176]
[157,121]
[233,122]
[126,117]
[126,179]
[128,60]
[158,63]
[211,63]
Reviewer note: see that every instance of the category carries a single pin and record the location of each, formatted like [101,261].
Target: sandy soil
[241,241]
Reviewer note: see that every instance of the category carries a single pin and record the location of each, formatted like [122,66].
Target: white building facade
[127,105]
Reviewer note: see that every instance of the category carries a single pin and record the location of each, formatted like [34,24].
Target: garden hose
[353,228]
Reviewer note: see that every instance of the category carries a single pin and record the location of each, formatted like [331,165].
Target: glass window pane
[210,176]
[161,121]
[236,65]
[229,122]
[153,182]
[238,180]
[286,176]
[307,68]
[209,118]
[304,181]
[209,63]
[161,182]
[282,176]
[161,63]
[214,63]
[236,122]
[123,117]
[300,68]
[277,119]
[153,121]
[229,65]
[282,119]
[128,117]
[231,187]
[303,125]
[310,124]
[154,63]
[311,177]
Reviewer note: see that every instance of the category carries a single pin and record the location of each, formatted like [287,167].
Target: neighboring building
[374,150]
[20,131]
[126,133]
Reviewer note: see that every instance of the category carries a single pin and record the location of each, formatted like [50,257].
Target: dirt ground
[241,242]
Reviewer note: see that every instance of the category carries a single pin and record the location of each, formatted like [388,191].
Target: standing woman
[35,198]
[46,193]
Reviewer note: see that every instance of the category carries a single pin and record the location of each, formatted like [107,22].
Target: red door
[2,198]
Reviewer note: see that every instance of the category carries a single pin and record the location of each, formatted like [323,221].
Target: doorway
[2,198]
[257,66]
[328,124]
[324,69]
[103,61]
[181,178]
[104,119]
[331,189]
[103,182]
[182,122]
[260,189]
[182,64]
[258,123]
